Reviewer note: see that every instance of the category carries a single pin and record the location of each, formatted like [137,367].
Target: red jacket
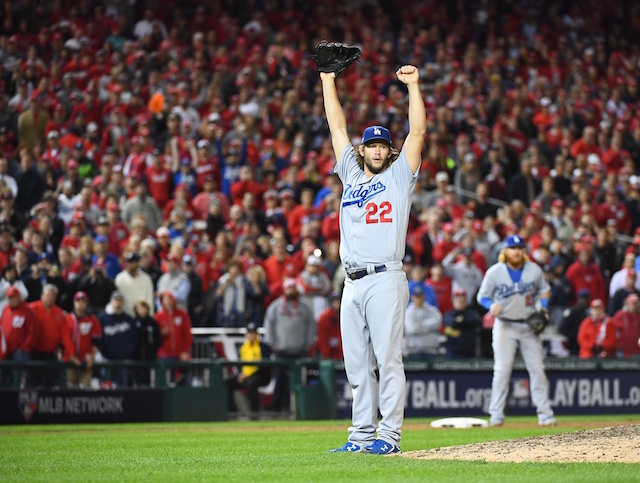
[85,333]
[594,333]
[627,327]
[587,276]
[329,343]
[17,326]
[276,270]
[294,221]
[442,288]
[51,330]
[159,182]
[179,338]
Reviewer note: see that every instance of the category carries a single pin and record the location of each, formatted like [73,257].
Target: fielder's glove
[538,321]
[335,56]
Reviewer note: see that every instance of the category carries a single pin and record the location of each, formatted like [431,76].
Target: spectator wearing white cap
[617,300]
[314,285]
[442,181]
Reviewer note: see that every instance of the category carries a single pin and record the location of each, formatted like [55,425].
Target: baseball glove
[335,56]
[538,321]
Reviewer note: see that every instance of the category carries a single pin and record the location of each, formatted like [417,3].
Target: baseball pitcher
[378,182]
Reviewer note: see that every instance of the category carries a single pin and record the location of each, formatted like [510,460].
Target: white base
[459,423]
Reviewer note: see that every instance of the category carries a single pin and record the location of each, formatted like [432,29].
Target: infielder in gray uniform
[511,290]
[378,182]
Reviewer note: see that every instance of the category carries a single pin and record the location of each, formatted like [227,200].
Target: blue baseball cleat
[348,448]
[547,421]
[380,446]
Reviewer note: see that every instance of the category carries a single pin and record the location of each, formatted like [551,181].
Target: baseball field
[296,451]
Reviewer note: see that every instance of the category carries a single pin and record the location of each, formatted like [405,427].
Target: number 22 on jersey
[374,217]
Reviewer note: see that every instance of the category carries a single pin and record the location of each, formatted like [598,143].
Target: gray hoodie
[289,326]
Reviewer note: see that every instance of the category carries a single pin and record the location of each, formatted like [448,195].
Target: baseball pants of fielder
[506,338]
[372,326]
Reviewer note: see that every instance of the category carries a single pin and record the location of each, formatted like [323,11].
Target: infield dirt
[617,444]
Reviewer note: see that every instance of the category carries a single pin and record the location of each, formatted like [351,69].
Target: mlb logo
[28,403]
[520,389]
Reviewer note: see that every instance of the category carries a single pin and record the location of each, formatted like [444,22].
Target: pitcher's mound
[617,444]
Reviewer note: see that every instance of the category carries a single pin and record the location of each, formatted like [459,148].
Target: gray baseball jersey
[374,214]
[518,299]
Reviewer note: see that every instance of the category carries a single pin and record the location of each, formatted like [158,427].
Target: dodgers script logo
[362,193]
[506,291]
[28,403]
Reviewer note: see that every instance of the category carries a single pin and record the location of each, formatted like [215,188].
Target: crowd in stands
[177,154]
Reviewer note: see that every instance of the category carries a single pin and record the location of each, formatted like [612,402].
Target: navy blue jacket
[119,336]
[460,327]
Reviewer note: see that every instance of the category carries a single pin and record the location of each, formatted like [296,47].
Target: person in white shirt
[135,285]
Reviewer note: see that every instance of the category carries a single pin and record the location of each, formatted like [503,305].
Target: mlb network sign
[49,406]
[465,394]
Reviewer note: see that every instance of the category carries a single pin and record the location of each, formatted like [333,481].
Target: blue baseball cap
[376,132]
[101,239]
[514,241]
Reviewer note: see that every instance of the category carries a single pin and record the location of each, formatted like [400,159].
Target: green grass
[272,451]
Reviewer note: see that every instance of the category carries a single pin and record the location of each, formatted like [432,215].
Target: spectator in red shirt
[175,331]
[586,145]
[613,209]
[159,179]
[86,334]
[627,325]
[16,332]
[51,332]
[597,335]
[278,265]
[245,184]
[305,208]
[329,342]
[202,201]
[445,244]
[441,285]
[585,274]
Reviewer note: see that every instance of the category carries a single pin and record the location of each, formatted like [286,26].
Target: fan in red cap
[596,335]
[445,244]
[86,335]
[17,325]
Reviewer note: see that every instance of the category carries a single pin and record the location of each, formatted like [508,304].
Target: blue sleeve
[486,302]
[430,295]
[220,155]
[182,293]
[243,152]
